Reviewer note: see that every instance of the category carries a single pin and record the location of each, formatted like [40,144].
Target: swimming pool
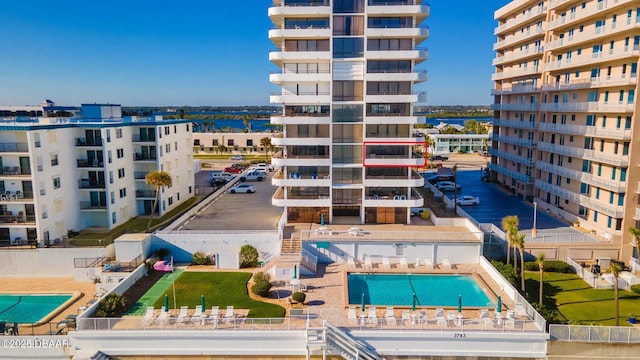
[31,308]
[430,290]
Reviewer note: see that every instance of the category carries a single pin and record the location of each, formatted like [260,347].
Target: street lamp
[534,231]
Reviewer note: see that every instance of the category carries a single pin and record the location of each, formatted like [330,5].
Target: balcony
[21,147]
[415,76]
[418,9]
[528,107]
[527,179]
[283,8]
[525,16]
[516,89]
[518,55]
[140,175]
[300,160]
[303,98]
[420,54]
[515,124]
[93,205]
[592,106]
[88,142]
[85,163]
[592,8]
[314,180]
[513,140]
[300,76]
[16,196]
[527,71]
[414,199]
[299,120]
[393,160]
[300,141]
[88,184]
[145,139]
[417,33]
[636,215]
[278,199]
[150,194]
[395,97]
[598,132]
[415,180]
[144,157]
[521,37]
[10,171]
[597,205]
[514,157]
[613,159]
[593,59]
[277,57]
[591,35]
[607,184]
[18,219]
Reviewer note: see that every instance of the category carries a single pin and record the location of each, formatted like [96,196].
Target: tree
[518,242]
[248,256]
[510,226]
[205,125]
[540,262]
[221,148]
[247,123]
[636,234]
[265,142]
[113,305]
[157,179]
[615,269]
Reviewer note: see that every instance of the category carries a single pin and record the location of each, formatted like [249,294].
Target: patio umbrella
[166,303]
[499,307]
[295,271]
[413,306]
[202,303]
[321,219]
[459,303]
[362,307]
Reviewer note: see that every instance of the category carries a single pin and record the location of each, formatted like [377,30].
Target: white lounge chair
[511,319]
[148,316]
[163,318]
[428,262]
[403,263]
[445,262]
[352,318]
[183,314]
[229,315]
[406,317]
[390,317]
[351,263]
[367,263]
[417,265]
[197,315]
[485,318]
[373,315]
[422,317]
[385,262]
[214,315]
[440,319]
[451,318]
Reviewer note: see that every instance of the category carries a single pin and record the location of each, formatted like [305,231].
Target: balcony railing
[140,175]
[145,193]
[15,170]
[14,147]
[88,142]
[301,2]
[87,184]
[84,163]
[138,138]
[16,196]
[92,205]
[511,173]
[140,156]
[17,219]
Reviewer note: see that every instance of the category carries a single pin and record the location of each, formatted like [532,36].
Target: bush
[199,258]
[635,288]
[507,272]
[547,314]
[248,256]
[113,305]
[299,297]
[72,233]
[261,285]
[556,266]
[425,215]
[161,253]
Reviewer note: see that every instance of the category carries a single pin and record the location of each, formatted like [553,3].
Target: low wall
[44,262]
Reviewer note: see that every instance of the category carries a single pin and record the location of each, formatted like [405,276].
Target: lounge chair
[511,319]
[451,317]
[385,263]
[390,317]
[417,265]
[406,317]
[403,263]
[485,318]
[148,317]
[445,262]
[229,315]
[440,319]
[428,262]
[373,315]
[214,315]
[163,318]
[351,263]
[422,317]
[183,314]
[197,315]
[367,263]
[352,318]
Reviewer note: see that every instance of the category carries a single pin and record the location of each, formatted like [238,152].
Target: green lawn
[578,303]
[219,288]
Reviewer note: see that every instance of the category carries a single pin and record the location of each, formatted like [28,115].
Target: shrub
[113,305]
[261,284]
[548,314]
[161,253]
[72,233]
[507,272]
[556,266]
[635,288]
[199,258]
[299,297]
[248,256]
[425,215]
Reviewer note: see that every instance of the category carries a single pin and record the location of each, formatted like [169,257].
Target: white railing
[309,260]
[394,236]
[347,345]
[587,276]
[594,334]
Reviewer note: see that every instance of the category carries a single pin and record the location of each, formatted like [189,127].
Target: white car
[468,200]
[448,186]
[237,157]
[243,188]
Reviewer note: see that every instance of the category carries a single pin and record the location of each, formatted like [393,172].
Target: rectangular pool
[29,308]
[430,290]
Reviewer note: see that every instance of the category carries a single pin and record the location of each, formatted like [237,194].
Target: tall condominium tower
[565,111]
[347,72]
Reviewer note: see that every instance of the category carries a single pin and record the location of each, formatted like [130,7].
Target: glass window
[348,48]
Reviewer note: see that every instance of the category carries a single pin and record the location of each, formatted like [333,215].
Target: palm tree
[222,148]
[265,142]
[615,269]
[518,242]
[247,123]
[205,125]
[540,262]
[158,179]
[510,226]
[636,234]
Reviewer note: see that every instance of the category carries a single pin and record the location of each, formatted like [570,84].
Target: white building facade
[58,174]
[348,69]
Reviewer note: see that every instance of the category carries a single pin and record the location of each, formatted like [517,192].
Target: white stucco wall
[43,262]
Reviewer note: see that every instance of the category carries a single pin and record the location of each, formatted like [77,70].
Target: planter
[631,320]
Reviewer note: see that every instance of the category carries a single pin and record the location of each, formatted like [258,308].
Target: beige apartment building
[564,131]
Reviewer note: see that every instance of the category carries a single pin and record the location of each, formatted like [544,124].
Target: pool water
[430,290]
[29,308]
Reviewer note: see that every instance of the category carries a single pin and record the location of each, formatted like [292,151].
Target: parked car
[243,188]
[253,176]
[220,178]
[448,186]
[237,157]
[467,200]
[434,179]
[233,170]
[266,166]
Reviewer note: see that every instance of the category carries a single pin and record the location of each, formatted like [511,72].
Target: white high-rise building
[61,172]
[348,70]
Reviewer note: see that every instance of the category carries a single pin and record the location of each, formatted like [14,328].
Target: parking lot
[237,211]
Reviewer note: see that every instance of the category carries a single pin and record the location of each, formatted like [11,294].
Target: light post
[534,231]
[455,189]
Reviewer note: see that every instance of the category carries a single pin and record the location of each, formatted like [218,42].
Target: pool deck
[50,285]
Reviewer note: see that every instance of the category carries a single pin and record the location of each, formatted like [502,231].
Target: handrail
[594,334]
[344,343]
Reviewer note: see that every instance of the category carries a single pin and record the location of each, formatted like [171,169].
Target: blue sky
[200,52]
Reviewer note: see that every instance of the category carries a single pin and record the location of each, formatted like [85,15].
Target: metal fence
[594,334]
